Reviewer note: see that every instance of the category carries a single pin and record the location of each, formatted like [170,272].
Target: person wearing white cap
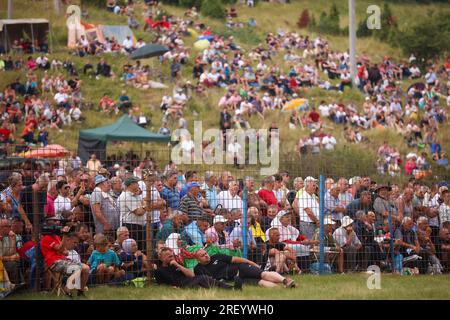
[332,250]
[217,235]
[306,204]
[347,239]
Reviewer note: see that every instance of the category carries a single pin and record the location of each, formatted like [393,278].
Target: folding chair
[56,281]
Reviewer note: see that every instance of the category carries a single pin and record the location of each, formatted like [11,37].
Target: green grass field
[332,287]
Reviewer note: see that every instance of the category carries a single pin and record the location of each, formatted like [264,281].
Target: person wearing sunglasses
[64,203]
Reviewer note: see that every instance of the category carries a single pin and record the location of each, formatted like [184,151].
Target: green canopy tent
[94,140]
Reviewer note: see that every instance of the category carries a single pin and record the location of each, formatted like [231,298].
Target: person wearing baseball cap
[217,235]
[332,250]
[104,209]
[191,203]
[133,213]
[382,205]
[347,239]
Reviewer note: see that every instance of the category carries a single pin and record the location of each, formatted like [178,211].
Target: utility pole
[10,9]
[352,38]
[57,6]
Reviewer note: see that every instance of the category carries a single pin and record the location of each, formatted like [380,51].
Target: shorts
[65,266]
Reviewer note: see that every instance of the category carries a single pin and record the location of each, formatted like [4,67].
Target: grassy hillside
[269,17]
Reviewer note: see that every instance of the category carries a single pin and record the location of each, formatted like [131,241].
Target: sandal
[289,283]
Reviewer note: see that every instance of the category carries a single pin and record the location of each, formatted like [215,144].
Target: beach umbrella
[295,104]
[201,44]
[50,151]
[149,51]
[193,32]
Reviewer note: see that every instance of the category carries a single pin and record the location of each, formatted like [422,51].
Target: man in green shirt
[332,250]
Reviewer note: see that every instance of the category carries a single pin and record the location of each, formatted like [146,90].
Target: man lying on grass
[223,267]
[172,273]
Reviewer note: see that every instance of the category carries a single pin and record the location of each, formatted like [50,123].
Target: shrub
[213,9]
[304,20]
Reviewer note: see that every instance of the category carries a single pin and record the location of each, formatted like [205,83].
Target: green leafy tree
[213,9]
[428,38]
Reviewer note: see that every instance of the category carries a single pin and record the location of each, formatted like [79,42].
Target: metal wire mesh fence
[69,224]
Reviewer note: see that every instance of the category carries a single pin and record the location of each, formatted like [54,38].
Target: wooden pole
[352,38]
[36,237]
[149,181]
[10,9]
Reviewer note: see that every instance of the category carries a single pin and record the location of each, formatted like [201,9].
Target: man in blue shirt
[191,176]
[194,233]
[210,189]
[170,192]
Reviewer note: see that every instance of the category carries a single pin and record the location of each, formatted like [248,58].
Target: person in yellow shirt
[255,226]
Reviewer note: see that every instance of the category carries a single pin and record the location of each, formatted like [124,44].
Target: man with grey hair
[210,189]
[306,205]
[407,244]
[230,199]
[36,193]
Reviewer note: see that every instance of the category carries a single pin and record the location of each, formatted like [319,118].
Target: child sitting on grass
[104,262]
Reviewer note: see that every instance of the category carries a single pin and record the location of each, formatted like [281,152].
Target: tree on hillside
[304,20]
[213,9]
[329,23]
[428,38]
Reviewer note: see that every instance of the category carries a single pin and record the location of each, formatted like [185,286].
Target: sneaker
[414,257]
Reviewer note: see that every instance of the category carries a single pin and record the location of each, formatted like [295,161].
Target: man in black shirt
[225,267]
[27,201]
[279,256]
[172,273]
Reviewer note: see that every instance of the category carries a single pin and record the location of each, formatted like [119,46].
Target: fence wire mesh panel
[137,218]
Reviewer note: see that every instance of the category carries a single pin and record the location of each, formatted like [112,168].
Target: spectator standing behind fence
[170,193]
[105,211]
[229,199]
[306,204]
[132,211]
[93,165]
[63,203]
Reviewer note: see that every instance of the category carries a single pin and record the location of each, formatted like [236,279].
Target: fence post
[322,231]
[244,222]
[391,242]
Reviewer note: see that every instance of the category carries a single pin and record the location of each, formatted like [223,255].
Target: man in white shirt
[345,197]
[140,44]
[128,44]
[179,97]
[133,213]
[306,205]
[229,199]
[328,142]
[324,109]
[63,204]
[61,97]
[347,239]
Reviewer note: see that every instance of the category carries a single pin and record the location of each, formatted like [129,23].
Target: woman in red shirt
[410,165]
